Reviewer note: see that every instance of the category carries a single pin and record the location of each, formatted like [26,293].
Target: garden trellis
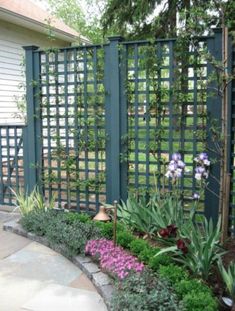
[102,120]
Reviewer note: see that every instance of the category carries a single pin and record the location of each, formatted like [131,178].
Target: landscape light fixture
[103,216]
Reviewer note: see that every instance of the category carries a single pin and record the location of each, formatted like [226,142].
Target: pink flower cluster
[113,258]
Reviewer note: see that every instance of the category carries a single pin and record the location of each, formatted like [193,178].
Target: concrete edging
[101,281]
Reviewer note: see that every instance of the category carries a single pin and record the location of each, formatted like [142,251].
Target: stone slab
[100,279]
[11,243]
[16,291]
[60,298]
[38,262]
[83,282]
[106,292]
[90,268]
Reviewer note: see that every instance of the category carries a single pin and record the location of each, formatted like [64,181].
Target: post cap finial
[115,38]
[30,47]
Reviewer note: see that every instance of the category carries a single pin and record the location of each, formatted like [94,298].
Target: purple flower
[203,156]
[113,258]
[172,167]
[201,170]
[176,156]
[176,167]
[181,164]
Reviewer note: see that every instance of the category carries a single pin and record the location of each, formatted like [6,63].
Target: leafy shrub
[146,254]
[198,301]
[144,292]
[138,245]
[195,295]
[71,239]
[68,237]
[124,238]
[173,273]
[74,216]
[156,261]
[187,286]
[37,221]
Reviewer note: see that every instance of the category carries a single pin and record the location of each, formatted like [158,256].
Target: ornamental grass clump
[113,259]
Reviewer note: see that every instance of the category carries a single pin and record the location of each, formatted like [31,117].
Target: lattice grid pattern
[11,162]
[73,115]
[161,120]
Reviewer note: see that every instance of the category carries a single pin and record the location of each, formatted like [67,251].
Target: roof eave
[38,26]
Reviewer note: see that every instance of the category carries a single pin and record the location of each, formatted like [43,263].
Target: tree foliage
[166,18]
[85,22]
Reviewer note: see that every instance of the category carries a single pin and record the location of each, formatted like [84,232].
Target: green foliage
[135,214]
[106,229]
[162,260]
[138,245]
[228,277]
[37,221]
[198,301]
[124,239]
[203,248]
[25,203]
[73,217]
[144,292]
[167,210]
[193,293]
[149,217]
[68,235]
[33,201]
[158,18]
[85,23]
[186,286]
[146,254]
[174,274]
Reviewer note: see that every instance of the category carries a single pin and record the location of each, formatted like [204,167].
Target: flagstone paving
[35,278]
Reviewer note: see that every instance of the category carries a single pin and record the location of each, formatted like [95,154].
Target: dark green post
[230,153]
[112,110]
[214,108]
[32,142]
[123,122]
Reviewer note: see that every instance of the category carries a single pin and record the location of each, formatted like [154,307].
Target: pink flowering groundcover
[113,259]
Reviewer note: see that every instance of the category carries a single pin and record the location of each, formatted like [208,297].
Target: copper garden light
[103,216]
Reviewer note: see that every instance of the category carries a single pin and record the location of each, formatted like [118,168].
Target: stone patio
[35,278]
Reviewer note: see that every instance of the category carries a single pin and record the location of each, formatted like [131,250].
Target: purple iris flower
[172,167]
[176,156]
[199,170]
[203,156]
[181,164]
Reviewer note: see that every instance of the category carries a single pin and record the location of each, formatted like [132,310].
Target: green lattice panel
[73,134]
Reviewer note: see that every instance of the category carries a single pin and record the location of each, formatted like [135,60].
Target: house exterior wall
[12,79]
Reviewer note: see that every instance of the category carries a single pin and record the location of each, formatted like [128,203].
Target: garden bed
[69,233]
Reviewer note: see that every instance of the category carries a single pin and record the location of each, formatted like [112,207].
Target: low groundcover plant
[113,259]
